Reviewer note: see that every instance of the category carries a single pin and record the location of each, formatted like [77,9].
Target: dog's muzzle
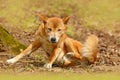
[53,40]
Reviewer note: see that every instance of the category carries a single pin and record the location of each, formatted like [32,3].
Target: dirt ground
[108,55]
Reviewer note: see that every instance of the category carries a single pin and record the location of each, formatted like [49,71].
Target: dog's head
[54,27]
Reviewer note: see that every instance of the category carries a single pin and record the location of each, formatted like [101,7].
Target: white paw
[11,61]
[48,65]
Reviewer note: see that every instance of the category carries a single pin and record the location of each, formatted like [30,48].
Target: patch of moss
[9,40]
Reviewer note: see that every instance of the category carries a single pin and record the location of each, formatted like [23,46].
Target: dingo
[51,36]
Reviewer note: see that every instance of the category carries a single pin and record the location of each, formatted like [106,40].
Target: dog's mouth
[53,42]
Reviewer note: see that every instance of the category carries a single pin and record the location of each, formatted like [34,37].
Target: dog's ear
[44,18]
[66,19]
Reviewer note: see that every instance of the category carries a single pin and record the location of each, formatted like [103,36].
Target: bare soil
[108,55]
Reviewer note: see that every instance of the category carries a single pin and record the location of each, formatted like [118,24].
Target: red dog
[51,36]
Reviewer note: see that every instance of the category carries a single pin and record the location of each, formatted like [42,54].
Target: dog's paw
[48,65]
[11,61]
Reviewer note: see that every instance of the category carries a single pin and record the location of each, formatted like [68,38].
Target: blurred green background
[101,14]
[60,76]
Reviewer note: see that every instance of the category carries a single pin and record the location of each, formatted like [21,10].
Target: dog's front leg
[32,47]
[53,57]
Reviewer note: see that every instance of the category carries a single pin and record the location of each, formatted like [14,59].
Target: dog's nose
[53,40]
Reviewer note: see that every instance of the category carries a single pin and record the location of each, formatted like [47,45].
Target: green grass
[70,30]
[59,76]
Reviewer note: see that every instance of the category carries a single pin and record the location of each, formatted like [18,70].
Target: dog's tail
[90,49]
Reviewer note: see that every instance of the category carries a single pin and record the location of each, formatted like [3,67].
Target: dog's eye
[49,29]
[59,29]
